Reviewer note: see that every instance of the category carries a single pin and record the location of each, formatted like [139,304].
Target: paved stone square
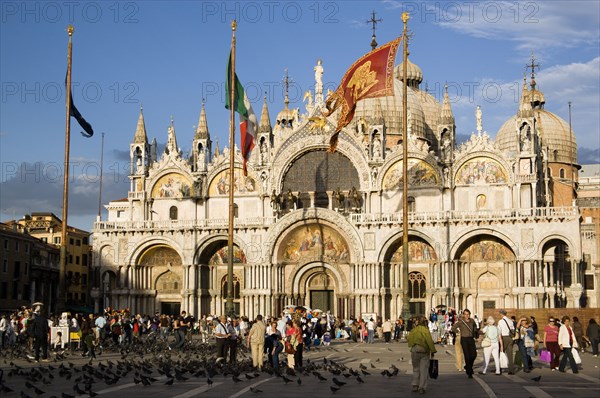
[369,361]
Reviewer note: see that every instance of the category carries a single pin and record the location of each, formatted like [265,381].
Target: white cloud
[547,24]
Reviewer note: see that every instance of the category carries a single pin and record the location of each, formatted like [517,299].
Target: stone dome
[389,110]
[414,74]
[553,130]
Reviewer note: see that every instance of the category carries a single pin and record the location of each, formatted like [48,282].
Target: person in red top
[551,342]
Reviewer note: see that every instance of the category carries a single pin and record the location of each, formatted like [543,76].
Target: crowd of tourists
[512,343]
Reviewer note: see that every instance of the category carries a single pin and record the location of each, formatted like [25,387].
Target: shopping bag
[503,360]
[545,356]
[576,356]
[433,368]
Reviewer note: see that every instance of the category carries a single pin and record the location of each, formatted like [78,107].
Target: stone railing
[358,219]
[254,222]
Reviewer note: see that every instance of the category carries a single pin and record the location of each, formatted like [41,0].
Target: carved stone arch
[392,240]
[459,244]
[301,272]
[209,243]
[143,246]
[489,280]
[276,233]
[573,252]
[290,154]
[107,256]
[170,278]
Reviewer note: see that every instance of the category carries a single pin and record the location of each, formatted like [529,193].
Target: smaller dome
[554,132]
[414,74]
[285,117]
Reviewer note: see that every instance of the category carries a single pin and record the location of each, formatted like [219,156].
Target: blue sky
[168,56]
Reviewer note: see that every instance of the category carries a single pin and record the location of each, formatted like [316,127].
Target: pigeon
[372,366]
[337,382]
[334,389]
[365,372]
[169,382]
[236,379]
[209,382]
[537,378]
[286,379]
[359,379]
[299,381]
[255,390]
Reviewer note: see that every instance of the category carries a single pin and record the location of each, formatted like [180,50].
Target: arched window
[416,285]
[236,288]
[412,207]
[173,213]
[235,210]
[561,173]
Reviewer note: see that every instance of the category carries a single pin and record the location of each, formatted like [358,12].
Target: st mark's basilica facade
[492,222]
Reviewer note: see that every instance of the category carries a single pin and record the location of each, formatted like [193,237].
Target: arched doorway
[154,277]
[483,263]
[321,291]
[558,269]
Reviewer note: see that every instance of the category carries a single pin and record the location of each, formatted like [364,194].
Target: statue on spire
[478,117]
[319,82]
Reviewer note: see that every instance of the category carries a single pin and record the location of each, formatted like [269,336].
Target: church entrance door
[170,308]
[321,299]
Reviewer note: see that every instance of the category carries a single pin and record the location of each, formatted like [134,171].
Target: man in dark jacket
[39,331]
[468,333]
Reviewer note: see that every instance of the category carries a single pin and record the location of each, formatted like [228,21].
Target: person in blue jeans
[370,331]
[525,332]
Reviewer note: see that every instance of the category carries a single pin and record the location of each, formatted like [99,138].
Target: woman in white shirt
[566,342]
[492,332]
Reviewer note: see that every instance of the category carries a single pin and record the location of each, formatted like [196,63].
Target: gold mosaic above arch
[313,241]
[481,170]
[487,249]
[220,256]
[219,186]
[420,173]
[160,255]
[418,251]
[173,185]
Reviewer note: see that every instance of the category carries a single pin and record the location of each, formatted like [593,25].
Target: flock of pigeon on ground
[150,364]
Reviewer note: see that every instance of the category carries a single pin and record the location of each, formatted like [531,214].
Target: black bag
[433,368]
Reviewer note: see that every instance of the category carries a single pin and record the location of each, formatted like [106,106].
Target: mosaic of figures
[168,281]
[481,170]
[417,251]
[220,256]
[420,173]
[312,241]
[172,185]
[160,255]
[241,183]
[487,250]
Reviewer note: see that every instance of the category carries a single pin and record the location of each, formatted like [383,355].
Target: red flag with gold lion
[370,76]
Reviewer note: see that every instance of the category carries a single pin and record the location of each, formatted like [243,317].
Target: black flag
[82,122]
[89,131]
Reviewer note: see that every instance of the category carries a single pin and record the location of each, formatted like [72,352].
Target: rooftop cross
[374,21]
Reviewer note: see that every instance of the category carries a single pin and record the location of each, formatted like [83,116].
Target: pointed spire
[154,150]
[525,103]
[446,117]
[217,151]
[265,121]
[140,131]
[202,130]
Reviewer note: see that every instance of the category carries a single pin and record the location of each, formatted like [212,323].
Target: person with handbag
[492,345]
[507,334]
[551,342]
[567,342]
[468,331]
[422,349]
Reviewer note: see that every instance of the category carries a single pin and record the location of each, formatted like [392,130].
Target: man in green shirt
[421,348]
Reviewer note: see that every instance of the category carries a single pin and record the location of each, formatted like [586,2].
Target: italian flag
[248,121]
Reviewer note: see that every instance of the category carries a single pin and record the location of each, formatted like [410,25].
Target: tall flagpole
[101,167]
[65,209]
[405,298]
[229,308]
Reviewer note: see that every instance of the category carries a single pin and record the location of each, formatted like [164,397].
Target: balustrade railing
[543,213]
